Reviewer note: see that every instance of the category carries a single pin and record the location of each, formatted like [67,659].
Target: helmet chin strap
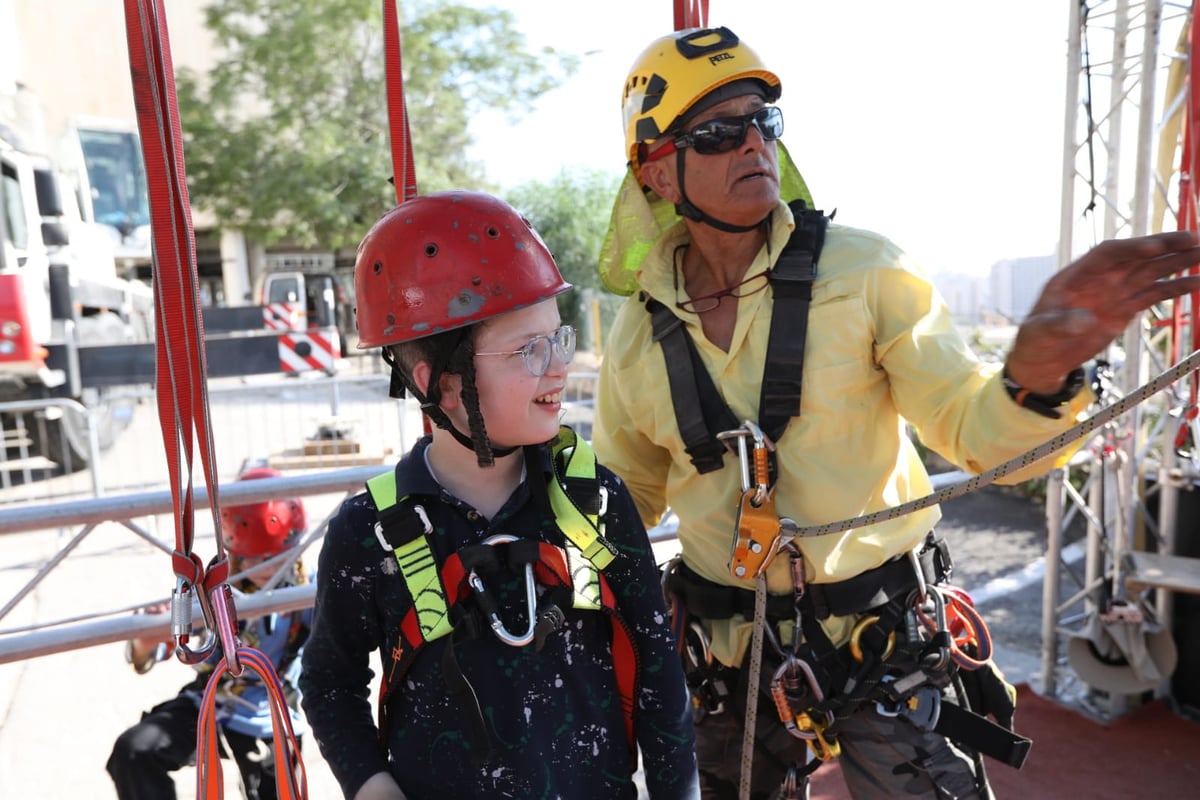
[485,453]
[685,208]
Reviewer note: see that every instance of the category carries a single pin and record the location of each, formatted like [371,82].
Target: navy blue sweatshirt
[553,717]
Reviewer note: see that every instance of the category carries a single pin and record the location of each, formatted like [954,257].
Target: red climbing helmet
[262,529]
[446,260]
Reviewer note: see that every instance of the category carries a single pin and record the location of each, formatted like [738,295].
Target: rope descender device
[760,531]
[488,605]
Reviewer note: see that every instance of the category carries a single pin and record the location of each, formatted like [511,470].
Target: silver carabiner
[750,431]
[530,599]
[220,624]
[934,596]
[181,623]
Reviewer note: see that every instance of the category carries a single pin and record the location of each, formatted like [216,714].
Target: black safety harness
[699,409]
[889,660]
[452,599]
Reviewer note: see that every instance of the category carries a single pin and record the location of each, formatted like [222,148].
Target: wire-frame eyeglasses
[707,302]
[538,351]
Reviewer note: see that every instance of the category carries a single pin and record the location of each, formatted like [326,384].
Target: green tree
[287,137]
[571,212]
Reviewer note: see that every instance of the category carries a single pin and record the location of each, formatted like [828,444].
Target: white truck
[59,293]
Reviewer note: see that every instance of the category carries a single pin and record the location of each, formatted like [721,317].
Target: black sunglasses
[725,133]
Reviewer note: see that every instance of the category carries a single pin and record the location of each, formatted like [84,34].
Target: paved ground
[60,713]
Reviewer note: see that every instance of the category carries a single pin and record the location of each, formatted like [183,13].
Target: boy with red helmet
[503,576]
[165,738]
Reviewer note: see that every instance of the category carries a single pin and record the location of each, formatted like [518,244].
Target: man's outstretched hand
[1091,302]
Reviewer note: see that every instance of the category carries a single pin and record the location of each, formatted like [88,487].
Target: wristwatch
[1045,404]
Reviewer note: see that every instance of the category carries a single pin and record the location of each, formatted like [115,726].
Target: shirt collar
[656,274]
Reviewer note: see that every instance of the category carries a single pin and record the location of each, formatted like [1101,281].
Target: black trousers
[165,740]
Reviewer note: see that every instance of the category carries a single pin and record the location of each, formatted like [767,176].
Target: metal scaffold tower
[1126,172]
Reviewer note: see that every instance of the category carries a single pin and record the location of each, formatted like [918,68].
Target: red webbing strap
[403,174]
[1187,195]
[691,14]
[180,377]
[179,333]
[291,782]
[552,568]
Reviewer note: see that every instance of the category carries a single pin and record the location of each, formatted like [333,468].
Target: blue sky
[936,123]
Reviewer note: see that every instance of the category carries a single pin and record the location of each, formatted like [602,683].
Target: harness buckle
[489,606]
[420,512]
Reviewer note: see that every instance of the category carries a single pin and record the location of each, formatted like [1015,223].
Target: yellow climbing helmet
[676,71]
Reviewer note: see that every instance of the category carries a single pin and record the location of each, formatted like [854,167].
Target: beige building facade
[66,60]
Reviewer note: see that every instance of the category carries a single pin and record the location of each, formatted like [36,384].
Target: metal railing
[40,536]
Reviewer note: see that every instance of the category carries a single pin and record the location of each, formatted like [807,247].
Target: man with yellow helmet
[768,329]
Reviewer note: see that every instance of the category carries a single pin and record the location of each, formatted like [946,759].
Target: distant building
[964,294]
[1014,285]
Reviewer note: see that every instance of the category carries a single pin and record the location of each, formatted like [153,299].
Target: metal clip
[760,532]
[761,466]
[181,623]
[793,685]
[941,657]
[856,633]
[823,749]
[493,616]
[793,786]
[225,618]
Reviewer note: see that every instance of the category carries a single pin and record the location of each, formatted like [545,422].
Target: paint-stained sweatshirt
[554,723]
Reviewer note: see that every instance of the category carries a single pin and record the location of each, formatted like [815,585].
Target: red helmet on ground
[266,528]
[446,260]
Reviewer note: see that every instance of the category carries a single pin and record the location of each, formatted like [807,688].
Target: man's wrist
[1046,405]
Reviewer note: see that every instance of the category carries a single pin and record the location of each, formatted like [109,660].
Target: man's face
[740,186]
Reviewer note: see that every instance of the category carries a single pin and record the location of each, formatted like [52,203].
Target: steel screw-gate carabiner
[220,624]
[530,600]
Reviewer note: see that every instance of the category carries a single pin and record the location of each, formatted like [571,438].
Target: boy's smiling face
[518,407]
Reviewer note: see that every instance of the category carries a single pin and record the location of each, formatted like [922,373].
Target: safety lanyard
[180,378]
[180,367]
[404,175]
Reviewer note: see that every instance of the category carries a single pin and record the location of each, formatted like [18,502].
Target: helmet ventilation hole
[431,250]
[492,232]
[377,267]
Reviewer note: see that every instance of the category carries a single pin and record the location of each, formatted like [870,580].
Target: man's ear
[660,177]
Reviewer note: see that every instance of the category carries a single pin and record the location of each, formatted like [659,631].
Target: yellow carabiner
[822,748]
[856,639]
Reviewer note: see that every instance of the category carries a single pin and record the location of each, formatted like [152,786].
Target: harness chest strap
[700,411]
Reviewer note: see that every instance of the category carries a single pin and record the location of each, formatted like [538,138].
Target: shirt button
[472,515]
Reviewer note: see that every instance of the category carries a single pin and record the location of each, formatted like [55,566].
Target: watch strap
[1046,405]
